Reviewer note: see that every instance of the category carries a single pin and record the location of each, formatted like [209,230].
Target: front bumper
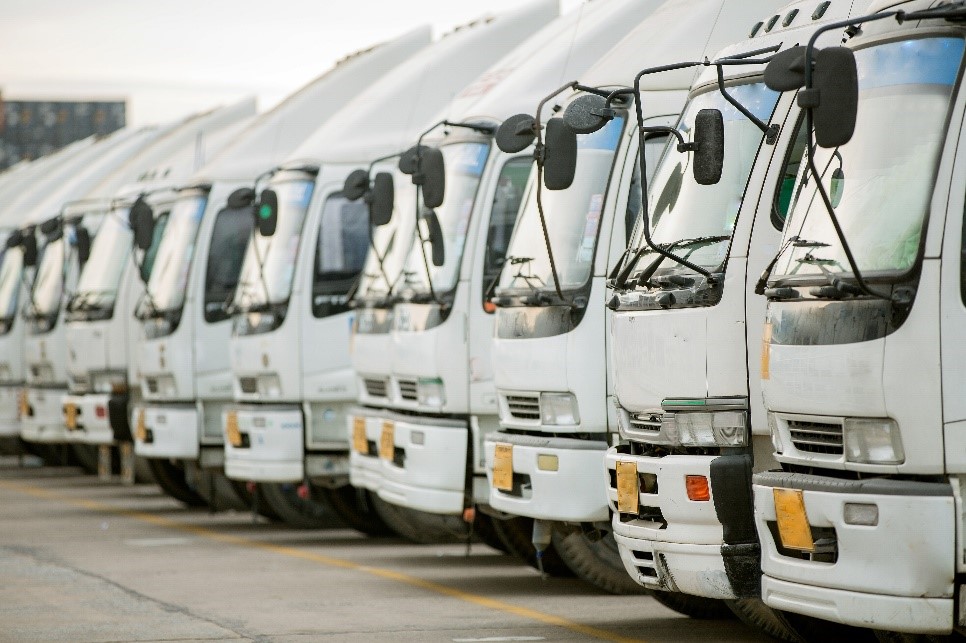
[571,492]
[704,548]
[93,425]
[45,422]
[269,444]
[10,410]
[897,574]
[364,466]
[168,431]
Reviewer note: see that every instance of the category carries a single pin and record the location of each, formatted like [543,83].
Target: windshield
[695,220]
[10,271]
[464,163]
[272,282]
[169,281]
[391,241]
[880,182]
[101,274]
[573,218]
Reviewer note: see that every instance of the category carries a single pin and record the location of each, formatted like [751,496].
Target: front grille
[248,384]
[816,437]
[152,384]
[645,422]
[524,407]
[407,390]
[375,388]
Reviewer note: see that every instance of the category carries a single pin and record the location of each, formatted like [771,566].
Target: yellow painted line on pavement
[388,574]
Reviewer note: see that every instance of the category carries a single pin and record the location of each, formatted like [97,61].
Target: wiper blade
[692,242]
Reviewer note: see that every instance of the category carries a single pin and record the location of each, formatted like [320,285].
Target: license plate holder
[793,527]
[503,467]
[70,416]
[232,433]
[628,488]
[359,440]
[387,441]
[140,428]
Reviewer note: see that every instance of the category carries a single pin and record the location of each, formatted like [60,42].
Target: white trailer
[290,350]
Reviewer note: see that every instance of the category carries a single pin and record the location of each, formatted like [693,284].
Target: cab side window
[503,218]
[793,178]
[340,253]
[148,264]
[229,240]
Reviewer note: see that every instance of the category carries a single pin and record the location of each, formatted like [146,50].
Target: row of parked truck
[667,294]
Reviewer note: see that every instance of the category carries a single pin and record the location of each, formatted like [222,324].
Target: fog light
[698,488]
[430,392]
[872,441]
[417,437]
[861,514]
[559,409]
[548,462]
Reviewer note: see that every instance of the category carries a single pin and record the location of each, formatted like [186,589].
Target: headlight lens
[559,409]
[707,428]
[269,386]
[430,392]
[109,382]
[872,441]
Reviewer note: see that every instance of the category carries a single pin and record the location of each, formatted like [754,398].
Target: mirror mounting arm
[770,131]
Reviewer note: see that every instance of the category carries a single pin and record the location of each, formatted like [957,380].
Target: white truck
[101,335]
[184,357]
[290,349]
[441,398]
[549,348]
[862,348]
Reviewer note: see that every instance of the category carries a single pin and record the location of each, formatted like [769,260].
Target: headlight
[707,428]
[430,392]
[269,386]
[559,409]
[109,382]
[872,441]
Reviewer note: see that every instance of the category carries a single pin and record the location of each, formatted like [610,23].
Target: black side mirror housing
[356,185]
[407,160]
[141,219]
[51,226]
[266,213]
[432,173]
[29,246]
[587,114]
[708,158]
[786,70]
[15,239]
[516,133]
[83,243]
[381,199]
[560,155]
[436,242]
[833,97]
[241,198]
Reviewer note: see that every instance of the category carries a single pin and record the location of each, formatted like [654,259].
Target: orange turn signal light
[698,488]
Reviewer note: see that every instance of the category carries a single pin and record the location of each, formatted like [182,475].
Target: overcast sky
[173,57]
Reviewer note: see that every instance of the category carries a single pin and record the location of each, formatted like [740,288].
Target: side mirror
[381,199]
[587,114]
[356,185]
[516,133]
[141,219]
[786,70]
[560,155]
[51,226]
[15,239]
[29,246]
[407,161]
[241,198]
[83,243]
[833,97]
[436,241]
[266,213]
[708,158]
[432,175]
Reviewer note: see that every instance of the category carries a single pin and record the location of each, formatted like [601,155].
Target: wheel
[170,476]
[517,533]
[420,527]
[249,499]
[484,530]
[86,456]
[755,614]
[310,512]
[596,561]
[355,508]
[816,629]
[693,606]
[905,637]
[216,490]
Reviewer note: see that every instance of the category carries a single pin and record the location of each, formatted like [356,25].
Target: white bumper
[93,419]
[45,423]
[573,492]
[365,469]
[272,443]
[170,432]
[9,411]
[895,575]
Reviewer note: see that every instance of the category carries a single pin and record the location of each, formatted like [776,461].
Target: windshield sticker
[586,252]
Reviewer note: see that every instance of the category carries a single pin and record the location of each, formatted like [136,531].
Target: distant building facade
[30,129]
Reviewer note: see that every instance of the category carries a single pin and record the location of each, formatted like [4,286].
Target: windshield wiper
[796,241]
[694,243]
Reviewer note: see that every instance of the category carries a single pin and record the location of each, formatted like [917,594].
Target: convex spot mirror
[82,241]
[587,114]
[708,158]
[432,174]
[241,198]
[515,134]
[560,155]
[436,242]
[381,199]
[786,70]
[141,219]
[266,213]
[356,185]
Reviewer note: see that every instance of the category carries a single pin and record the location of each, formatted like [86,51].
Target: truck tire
[904,637]
[517,533]
[86,456]
[697,607]
[170,476]
[302,513]
[755,614]
[598,563]
[249,498]
[484,530]
[420,527]
[225,494]
[355,508]
[815,629]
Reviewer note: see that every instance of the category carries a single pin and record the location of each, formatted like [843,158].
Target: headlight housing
[872,441]
[706,428]
[431,392]
[559,409]
[109,382]
[269,386]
